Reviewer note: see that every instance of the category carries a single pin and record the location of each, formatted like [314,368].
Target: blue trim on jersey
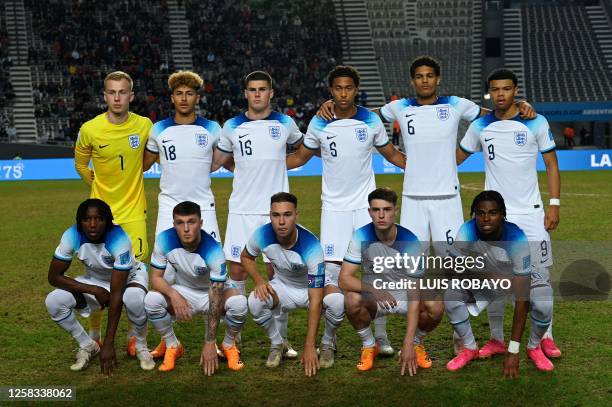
[212,253]
[76,238]
[225,151]
[162,125]
[236,121]
[66,259]
[168,240]
[210,126]
[382,145]
[465,149]
[312,148]
[532,124]
[549,150]
[352,261]
[510,232]
[307,245]
[319,123]
[441,100]
[115,238]
[297,141]
[264,236]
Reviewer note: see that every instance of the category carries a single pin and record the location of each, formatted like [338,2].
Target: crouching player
[299,276]
[198,262]
[506,251]
[112,278]
[395,292]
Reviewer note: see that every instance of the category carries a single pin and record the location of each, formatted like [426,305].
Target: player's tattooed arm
[208,358]
[300,157]
[108,358]
[520,288]
[551,220]
[393,155]
[149,159]
[57,279]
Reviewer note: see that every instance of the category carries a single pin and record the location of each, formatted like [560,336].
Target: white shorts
[337,228]
[400,308]
[165,220]
[438,218]
[137,275]
[198,299]
[331,277]
[240,228]
[289,298]
[539,239]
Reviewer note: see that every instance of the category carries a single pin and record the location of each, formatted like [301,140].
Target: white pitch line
[475,187]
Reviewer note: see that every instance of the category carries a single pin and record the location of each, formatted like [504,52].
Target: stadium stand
[74,44]
[297,42]
[403,30]
[563,60]
[6,90]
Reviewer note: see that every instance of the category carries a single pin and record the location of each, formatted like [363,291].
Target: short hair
[185,78]
[343,70]
[284,197]
[424,60]
[257,76]
[117,76]
[187,208]
[492,196]
[103,208]
[502,73]
[384,193]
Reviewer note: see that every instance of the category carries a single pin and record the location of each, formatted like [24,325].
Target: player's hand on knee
[263,291]
[408,362]
[310,360]
[511,366]
[209,361]
[108,359]
[385,299]
[182,309]
[102,296]
[326,110]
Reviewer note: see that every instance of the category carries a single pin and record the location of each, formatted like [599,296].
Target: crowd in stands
[7,95]
[297,42]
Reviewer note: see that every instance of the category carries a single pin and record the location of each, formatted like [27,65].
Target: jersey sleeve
[120,247]
[225,141]
[470,143]
[520,255]
[295,135]
[253,246]
[353,253]
[215,134]
[467,109]
[544,136]
[311,139]
[389,111]
[159,258]
[84,141]
[215,260]
[152,141]
[381,138]
[68,245]
[316,267]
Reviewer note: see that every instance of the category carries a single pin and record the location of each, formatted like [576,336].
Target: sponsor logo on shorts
[329,249]
[201,139]
[275,132]
[134,140]
[235,251]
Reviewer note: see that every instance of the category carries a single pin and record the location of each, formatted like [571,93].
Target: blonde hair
[117,76]
[185,78]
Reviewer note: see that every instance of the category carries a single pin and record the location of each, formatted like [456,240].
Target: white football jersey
[429,133]
[99,258]
[346,150]
[193,269]
[510,149]
[185,155]
[301,266]
[259,148]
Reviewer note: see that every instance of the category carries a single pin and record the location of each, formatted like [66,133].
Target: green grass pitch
[35,352]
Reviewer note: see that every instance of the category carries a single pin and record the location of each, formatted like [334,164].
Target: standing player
[198,261]
[431,203]
[114,142]
[346,144]
[257,141]
[112,278]
[299,276]
[511,146]
[507,255]
[184,145]
[368,297]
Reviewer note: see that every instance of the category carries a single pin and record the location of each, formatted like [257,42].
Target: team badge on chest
[275,132]
[362,134]
[443,113]
[201,139]
[134,140]
[520,138]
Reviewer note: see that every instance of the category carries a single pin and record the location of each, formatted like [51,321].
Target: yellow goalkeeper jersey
[116,152]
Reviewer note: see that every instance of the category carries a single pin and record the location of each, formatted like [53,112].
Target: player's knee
[434,309]
[133,298]
[236,308]
[334,306]
[352,302]
[154,303]
[258,307]
[59,302]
